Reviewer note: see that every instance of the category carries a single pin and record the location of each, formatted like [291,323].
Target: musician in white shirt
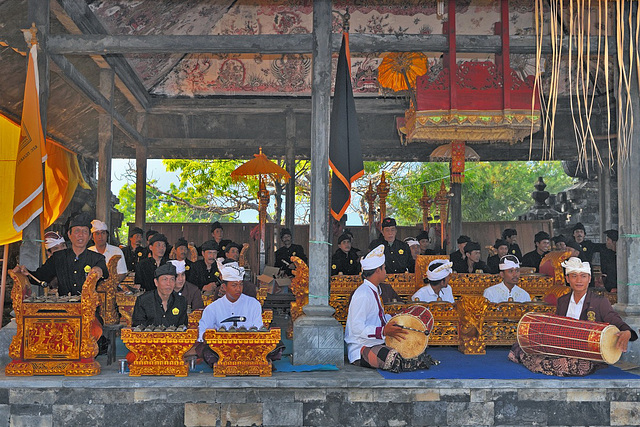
[234,304]
[508,290]
[368,325]
[437,288]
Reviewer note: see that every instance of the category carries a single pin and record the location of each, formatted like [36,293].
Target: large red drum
[419,320]
[542,333]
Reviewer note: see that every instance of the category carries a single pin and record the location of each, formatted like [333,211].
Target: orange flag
[27,198]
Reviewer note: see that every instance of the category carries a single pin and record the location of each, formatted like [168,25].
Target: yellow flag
[27,198]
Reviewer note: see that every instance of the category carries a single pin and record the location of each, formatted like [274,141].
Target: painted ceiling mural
[201,75]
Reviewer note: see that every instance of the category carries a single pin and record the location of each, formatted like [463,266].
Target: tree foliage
[205,192]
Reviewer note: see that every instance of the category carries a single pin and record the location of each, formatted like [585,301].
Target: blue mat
[285,365]
[493,365]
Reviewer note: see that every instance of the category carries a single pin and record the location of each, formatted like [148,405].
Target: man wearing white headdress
[368,325]
[53,242]
[100,234]
[186,289]
[508,290]
[437,283]
[234,304]
[579,304]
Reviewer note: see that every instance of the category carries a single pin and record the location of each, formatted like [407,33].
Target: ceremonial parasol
[455,152]
[260,165]
[399,70]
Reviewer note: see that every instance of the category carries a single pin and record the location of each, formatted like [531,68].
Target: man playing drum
[367,324]
[580,304]
[437,288]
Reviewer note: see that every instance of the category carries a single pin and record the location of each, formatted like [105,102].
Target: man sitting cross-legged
[234,304]
[367,324]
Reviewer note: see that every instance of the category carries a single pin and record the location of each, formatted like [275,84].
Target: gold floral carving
[208,299]
[471,311]
[242,260]
[242,353]
[261,294]
[55,338]
[299,287]
[159,353]
[125,303]
[107,292]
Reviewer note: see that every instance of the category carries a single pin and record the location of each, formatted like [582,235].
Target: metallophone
[55,335]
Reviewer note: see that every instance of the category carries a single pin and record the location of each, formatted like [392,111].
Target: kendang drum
[417,320]
[541,333]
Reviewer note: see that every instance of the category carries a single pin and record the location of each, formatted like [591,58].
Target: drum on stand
[419,322]
[542,333]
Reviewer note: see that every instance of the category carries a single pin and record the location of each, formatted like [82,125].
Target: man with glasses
[508,290]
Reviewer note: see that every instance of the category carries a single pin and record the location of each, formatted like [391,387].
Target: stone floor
[350,396]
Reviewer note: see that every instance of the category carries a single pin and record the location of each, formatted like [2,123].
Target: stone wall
[423,402]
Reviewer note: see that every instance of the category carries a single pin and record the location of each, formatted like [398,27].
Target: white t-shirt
[110,251]
[500,293]
[222,309]
[427,294]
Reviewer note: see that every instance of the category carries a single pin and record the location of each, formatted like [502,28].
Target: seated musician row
[370,334]
[166,307]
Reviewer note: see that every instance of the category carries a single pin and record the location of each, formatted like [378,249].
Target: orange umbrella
[399,70]
[260,165]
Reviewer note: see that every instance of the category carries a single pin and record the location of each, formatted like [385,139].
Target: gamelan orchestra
[175,304]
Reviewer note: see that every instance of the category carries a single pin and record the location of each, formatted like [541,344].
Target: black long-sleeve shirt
[149,310]
[70,270]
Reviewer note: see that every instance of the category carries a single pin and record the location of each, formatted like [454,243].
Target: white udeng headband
[508,264]
[441,272]
[374,259]
[179,265]
[575,265]
[232,272]
[49,242]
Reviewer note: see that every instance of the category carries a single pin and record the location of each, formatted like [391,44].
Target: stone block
[455,395]
[6,336]
[278,395]
[78,415]
[245,414]
[79,396]
[5,414]
[625,413]
[149,394]
[426,395]
[33,396]
[375,414]
[577,413]
[429,414]
[310,395]
[282,414]
[318,339]
[4,396]
[472,414]
[229,396]
[152,414]
[586,395]
[36,410]
[542,394]
[361,395]
[201,414]
[191,395]
[31,421]
[520,413]
[393,395]
[623,395]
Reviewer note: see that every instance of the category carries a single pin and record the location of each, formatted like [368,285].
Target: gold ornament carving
[299,287]
[126,302]
[55,338]
[159,353]
[471,310]
[107,291]
[242,353]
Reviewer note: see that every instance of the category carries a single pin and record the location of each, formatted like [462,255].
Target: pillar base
[318,338]
[631,315]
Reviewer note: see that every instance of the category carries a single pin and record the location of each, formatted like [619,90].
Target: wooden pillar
[38,12]
[141,186]
[290,160]
[317,335]
[628,249]
[455,212]
[105,146]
